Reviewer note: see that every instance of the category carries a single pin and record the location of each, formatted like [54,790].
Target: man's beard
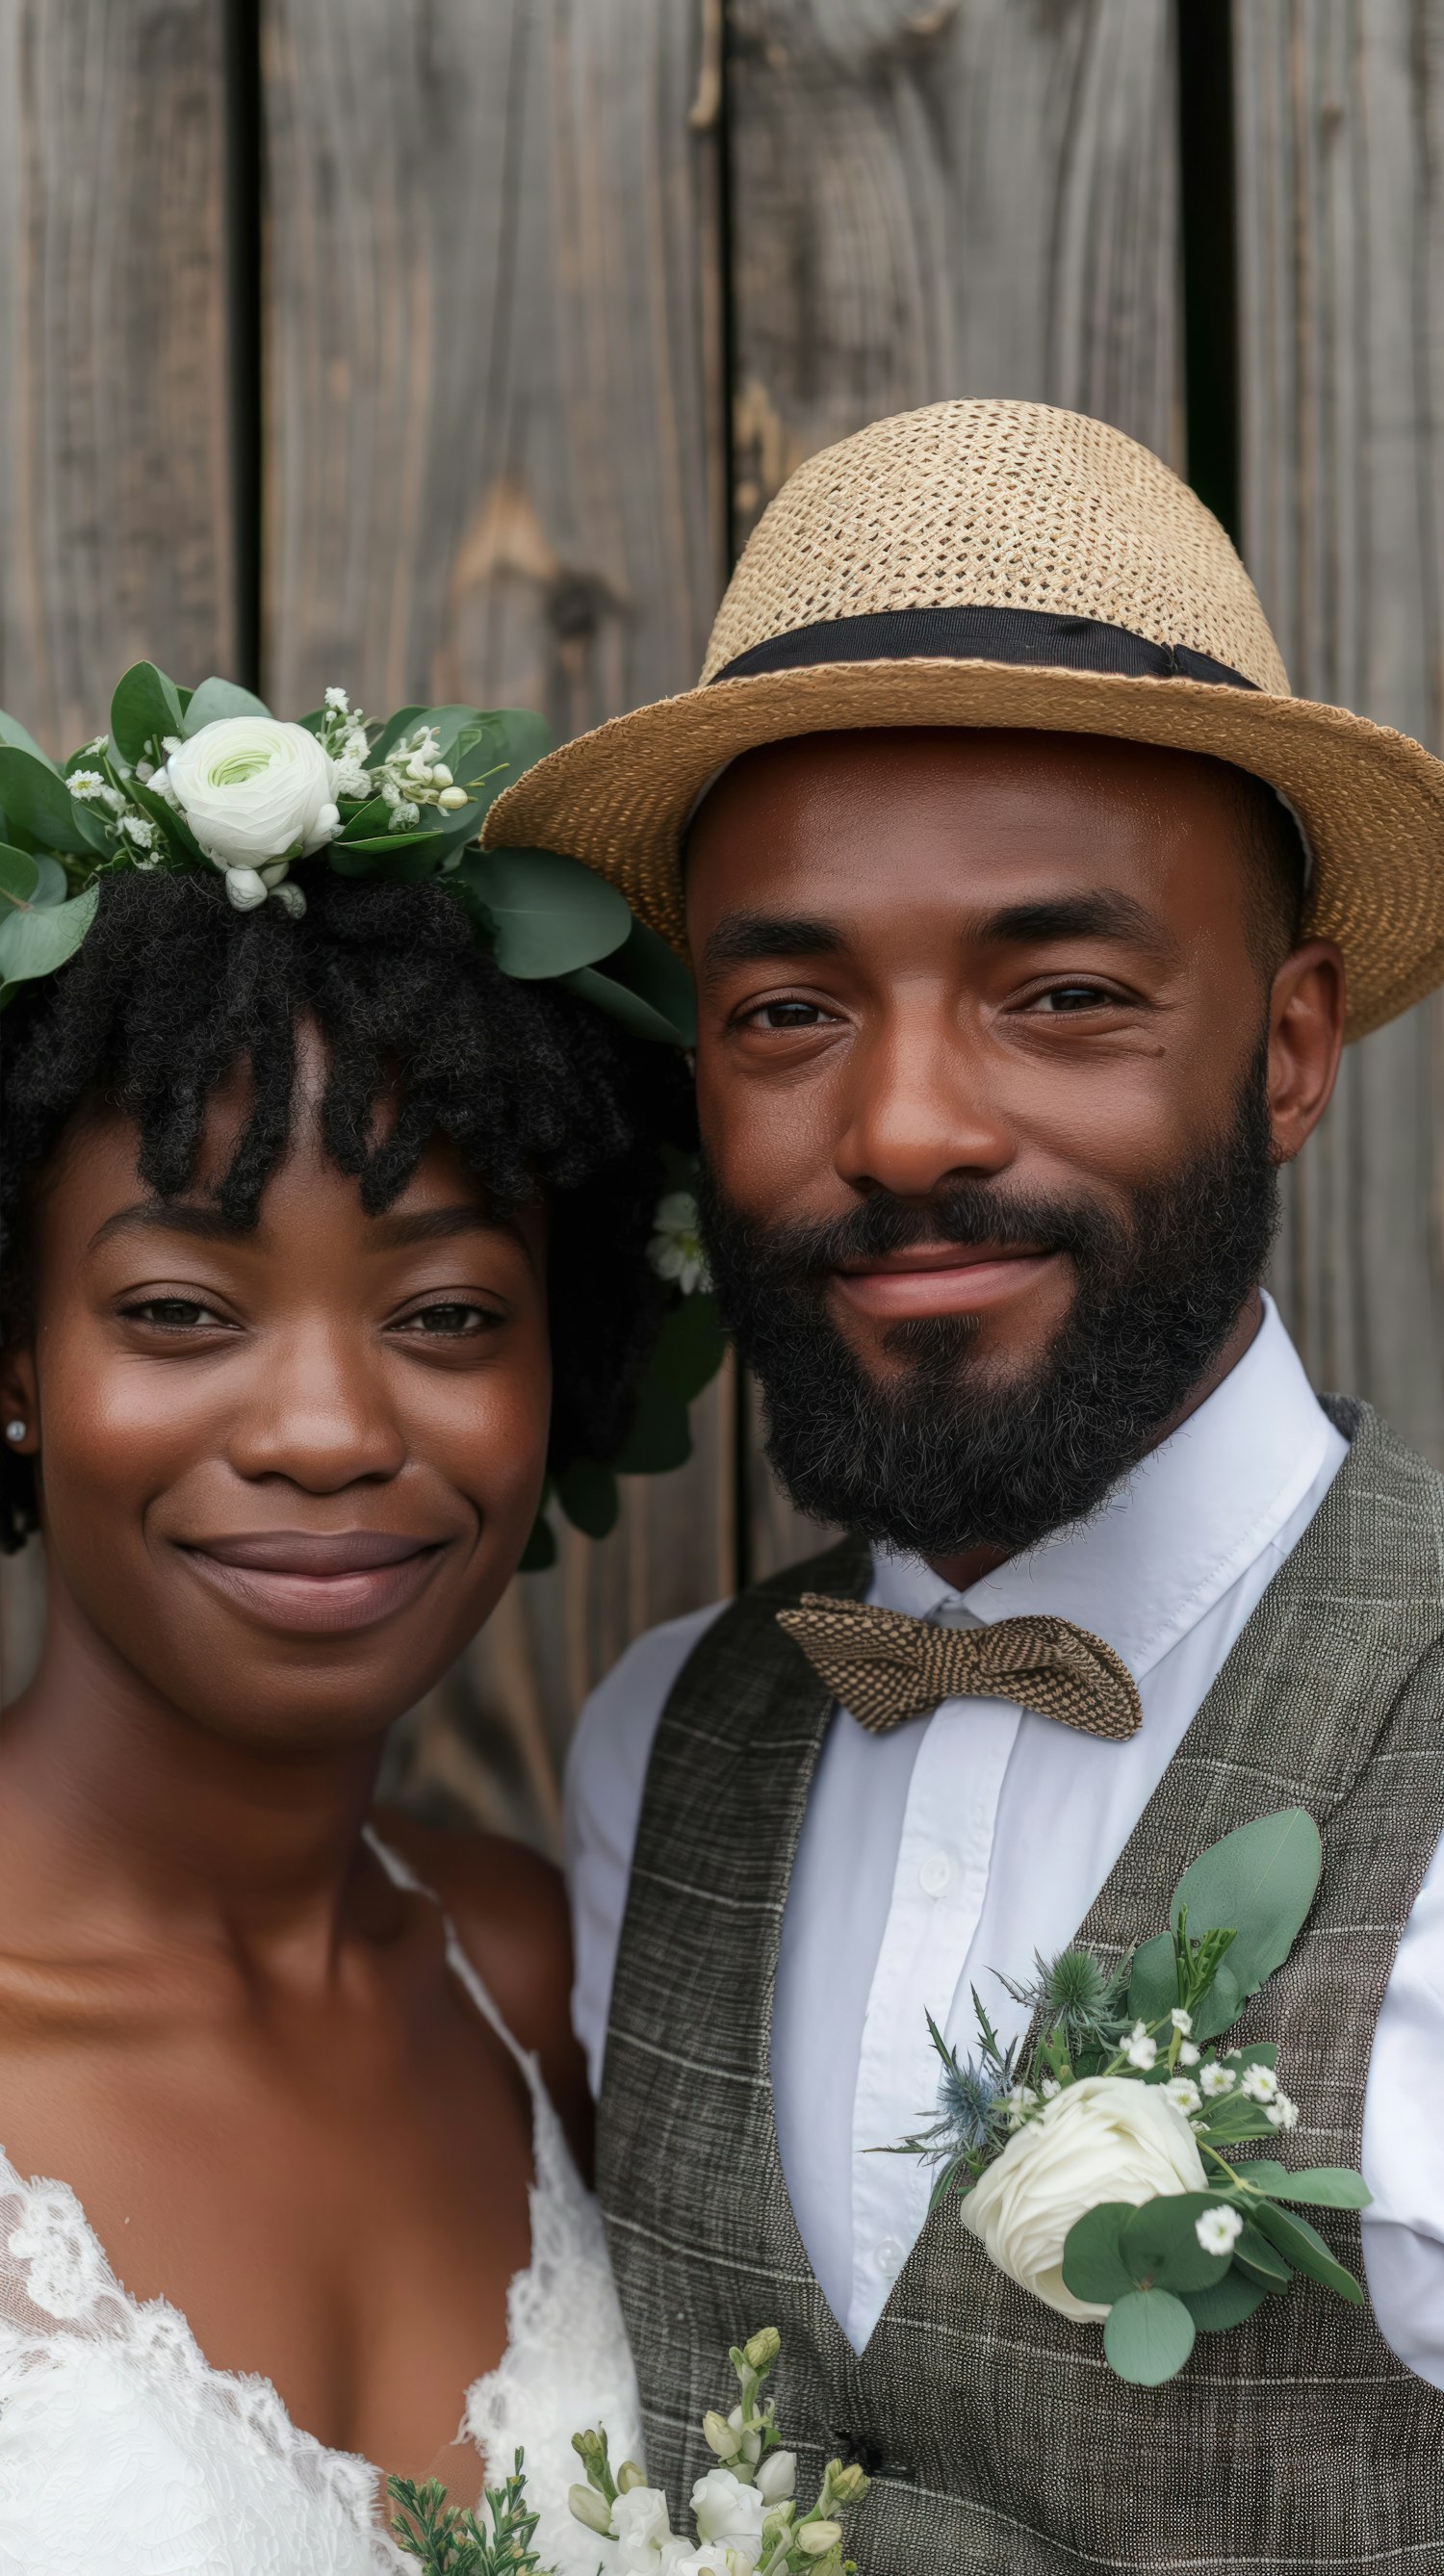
[948,1452]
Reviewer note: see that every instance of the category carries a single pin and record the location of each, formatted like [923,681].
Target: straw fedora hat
[1005,563]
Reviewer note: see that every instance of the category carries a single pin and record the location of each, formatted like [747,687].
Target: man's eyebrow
[396,1231]
[748,938]
[1101,915]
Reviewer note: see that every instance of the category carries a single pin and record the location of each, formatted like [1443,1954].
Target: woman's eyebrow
[396,1231]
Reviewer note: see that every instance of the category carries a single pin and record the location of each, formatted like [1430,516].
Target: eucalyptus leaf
[366,820]
[1159,2242]
[690,1347]
[1153,1985]
[175,831]
[540,1550]
[1302,2246]
[627,1008]
[52,884]
[146,706]
[1261,2259]
[1233,2119]
[35,943]
[1259,1882]
[1093,2267]
[662,984]
[215,699]
[19,877]
[39,807]
[1316,2187]
[1148,2337]
[1218,2009]
[1225,2303]
[660,1437]
[382,845]
[12,731]
[588,1495]
[546,914]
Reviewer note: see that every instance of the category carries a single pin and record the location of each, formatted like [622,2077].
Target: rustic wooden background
[451,349]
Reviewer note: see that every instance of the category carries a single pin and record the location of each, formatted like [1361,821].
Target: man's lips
[312,1582]
[940,1279]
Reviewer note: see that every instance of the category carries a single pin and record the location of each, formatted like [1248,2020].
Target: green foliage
[588,1495]
[1093,2264]
[449,2541]
[544,914]
[216,699]
[146,706]
[1159,2243]
[1224,2304]
[1148,2337]
[1318,2186]
[1259,1883]
[13,732]
[1303,2247]
[35,938]
[40,811]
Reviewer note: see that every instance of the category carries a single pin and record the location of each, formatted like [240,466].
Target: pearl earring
[15,1430]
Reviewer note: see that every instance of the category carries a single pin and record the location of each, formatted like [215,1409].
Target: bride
[323,1239]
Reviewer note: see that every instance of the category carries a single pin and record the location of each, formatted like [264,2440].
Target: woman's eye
[174,1314]
[450,1319]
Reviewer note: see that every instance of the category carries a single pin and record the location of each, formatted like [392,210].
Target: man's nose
[318,1413]
[917,1109]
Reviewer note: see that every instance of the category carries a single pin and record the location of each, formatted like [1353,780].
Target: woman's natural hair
[539,1094]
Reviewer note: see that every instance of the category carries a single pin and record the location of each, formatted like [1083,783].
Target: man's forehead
[909,768]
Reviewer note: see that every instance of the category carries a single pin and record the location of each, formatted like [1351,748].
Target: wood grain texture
[944,197]
[934,198]
[1340,149]
[493,474]
[116,512]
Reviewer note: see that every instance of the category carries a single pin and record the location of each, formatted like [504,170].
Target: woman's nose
[318,1413]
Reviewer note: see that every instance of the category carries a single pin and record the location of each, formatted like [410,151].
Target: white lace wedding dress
[122,2453]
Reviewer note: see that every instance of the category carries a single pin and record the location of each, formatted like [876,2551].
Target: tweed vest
[998,2438]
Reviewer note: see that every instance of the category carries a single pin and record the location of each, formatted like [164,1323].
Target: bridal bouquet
[1100,2158]
[748,2521]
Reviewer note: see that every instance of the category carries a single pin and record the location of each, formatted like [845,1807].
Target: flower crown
[190,779]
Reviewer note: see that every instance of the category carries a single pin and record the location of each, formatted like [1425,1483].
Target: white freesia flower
[726,2510]
[254,790]
[1105,2138]
[675,1251]
[639,2519]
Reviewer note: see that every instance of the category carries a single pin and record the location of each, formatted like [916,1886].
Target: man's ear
[19,1402]
[1306,1036]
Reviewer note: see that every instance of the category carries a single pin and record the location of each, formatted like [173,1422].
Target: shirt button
[936,1874]
[889,2258]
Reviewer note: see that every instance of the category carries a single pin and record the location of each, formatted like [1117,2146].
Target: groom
[1018,980]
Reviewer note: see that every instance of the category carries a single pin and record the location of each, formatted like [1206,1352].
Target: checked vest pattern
[999,2442]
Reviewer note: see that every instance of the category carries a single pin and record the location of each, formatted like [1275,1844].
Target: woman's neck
[124,1819]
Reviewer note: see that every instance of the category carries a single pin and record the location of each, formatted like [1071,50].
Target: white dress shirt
[959,1844]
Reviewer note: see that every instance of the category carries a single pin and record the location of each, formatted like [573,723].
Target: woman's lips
[940,1279]
[313,1584]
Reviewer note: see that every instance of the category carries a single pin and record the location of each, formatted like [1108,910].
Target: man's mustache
[969,1213]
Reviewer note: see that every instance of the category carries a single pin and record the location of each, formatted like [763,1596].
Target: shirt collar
[1175,1535]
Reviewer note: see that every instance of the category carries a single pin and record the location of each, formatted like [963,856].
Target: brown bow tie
[886,1667]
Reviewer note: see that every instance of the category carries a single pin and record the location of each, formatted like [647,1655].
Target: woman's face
[285,1474]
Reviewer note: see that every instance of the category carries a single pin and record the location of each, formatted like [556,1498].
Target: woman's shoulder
[509,1906]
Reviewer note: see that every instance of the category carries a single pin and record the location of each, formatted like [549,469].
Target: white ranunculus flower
[725,2510]
[254,790]
[1107,2138]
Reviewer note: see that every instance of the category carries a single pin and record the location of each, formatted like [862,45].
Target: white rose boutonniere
[256,793]
[1103,2139]
[1098,2159]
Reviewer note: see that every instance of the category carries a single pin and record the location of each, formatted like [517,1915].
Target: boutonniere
[1101,2169]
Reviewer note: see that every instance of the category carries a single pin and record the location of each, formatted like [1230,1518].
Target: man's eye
[173,1314]
[786,1015]
[448,1320]
[1073,997]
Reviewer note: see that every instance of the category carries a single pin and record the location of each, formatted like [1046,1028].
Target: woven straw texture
[1296,2444]
[886,1667]
[994,504]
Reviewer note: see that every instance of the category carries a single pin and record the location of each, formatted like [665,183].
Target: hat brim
[1370,799]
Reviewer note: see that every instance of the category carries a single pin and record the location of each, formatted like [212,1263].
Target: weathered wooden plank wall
[961,199]
[1340,147]
[493,472]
